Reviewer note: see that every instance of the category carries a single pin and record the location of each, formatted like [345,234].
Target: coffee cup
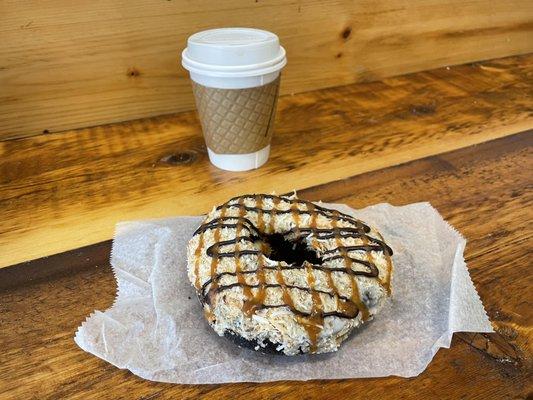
[235,74]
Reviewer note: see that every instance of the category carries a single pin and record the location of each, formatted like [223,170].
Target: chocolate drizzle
[255,294]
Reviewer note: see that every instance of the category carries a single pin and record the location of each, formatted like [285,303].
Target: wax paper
[156,328]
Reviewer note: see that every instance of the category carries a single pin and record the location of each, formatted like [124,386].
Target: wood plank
[70,64]
[57,264]
[484,190]
[64,191]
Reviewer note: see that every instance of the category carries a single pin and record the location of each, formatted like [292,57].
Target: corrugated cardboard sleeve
[237,121]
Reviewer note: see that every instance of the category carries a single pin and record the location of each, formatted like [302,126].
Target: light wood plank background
[70,64]
[63,191]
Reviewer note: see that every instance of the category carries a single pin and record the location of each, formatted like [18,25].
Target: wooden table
[459,137]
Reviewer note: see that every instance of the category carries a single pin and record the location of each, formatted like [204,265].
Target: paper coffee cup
[235,75]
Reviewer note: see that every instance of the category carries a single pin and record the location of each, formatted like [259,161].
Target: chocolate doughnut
[280,274]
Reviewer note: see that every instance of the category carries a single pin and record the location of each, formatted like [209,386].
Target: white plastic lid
[233,52]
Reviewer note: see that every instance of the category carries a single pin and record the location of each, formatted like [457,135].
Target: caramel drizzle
[259,298]
[315,323]
[296,218]
[280,280]
[356,296]
[213,267]
[247,291]
[314,215]
[370,259]
[259,205]
[251,301]
[256,301]
[387,279]
[275,203]
[197,253]
[312,321]
[316,246]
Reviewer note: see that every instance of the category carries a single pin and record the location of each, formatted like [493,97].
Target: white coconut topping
[289,326]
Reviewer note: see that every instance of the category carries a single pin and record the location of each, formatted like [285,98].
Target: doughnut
[283,275]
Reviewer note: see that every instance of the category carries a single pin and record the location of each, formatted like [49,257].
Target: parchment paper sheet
[156,327]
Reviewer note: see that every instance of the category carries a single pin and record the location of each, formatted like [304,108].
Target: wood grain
[64,191]
[484,190]
[70,64]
